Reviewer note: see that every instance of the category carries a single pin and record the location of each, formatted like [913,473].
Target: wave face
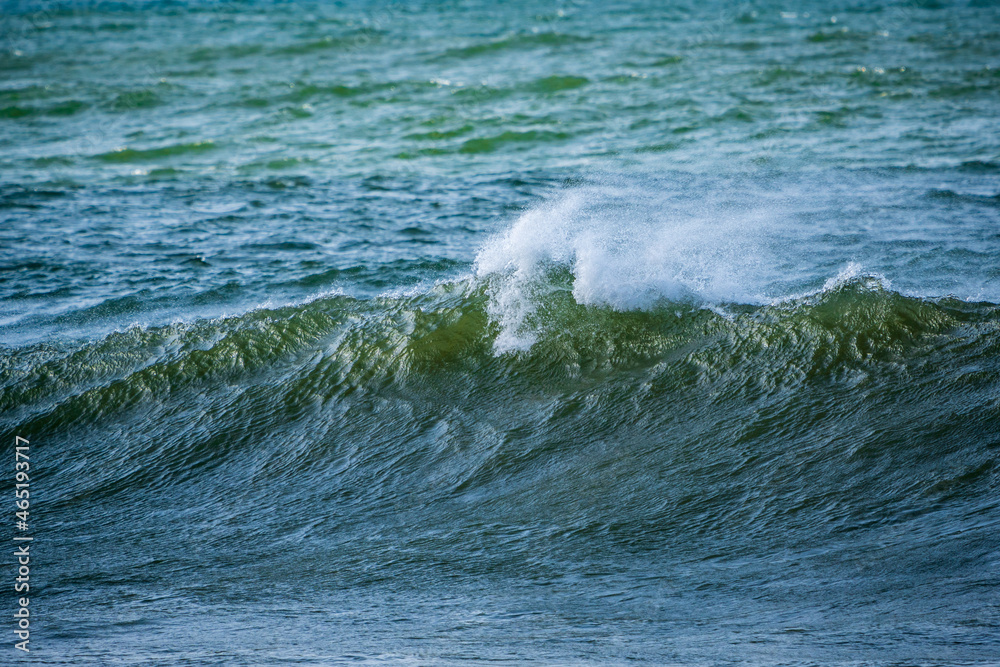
[801,470]
[511,333]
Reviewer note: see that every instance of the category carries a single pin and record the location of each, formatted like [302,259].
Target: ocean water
[448,333]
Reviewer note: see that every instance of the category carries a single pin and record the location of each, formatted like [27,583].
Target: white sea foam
[715,242]
[627,248]
[851,273]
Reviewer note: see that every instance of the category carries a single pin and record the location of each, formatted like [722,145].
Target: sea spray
[627,246]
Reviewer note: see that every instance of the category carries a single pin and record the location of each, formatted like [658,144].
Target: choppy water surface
[564,333]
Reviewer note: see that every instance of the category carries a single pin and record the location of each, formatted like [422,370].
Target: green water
[465,332]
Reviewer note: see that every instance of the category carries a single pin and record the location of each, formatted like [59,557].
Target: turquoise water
[451,333]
